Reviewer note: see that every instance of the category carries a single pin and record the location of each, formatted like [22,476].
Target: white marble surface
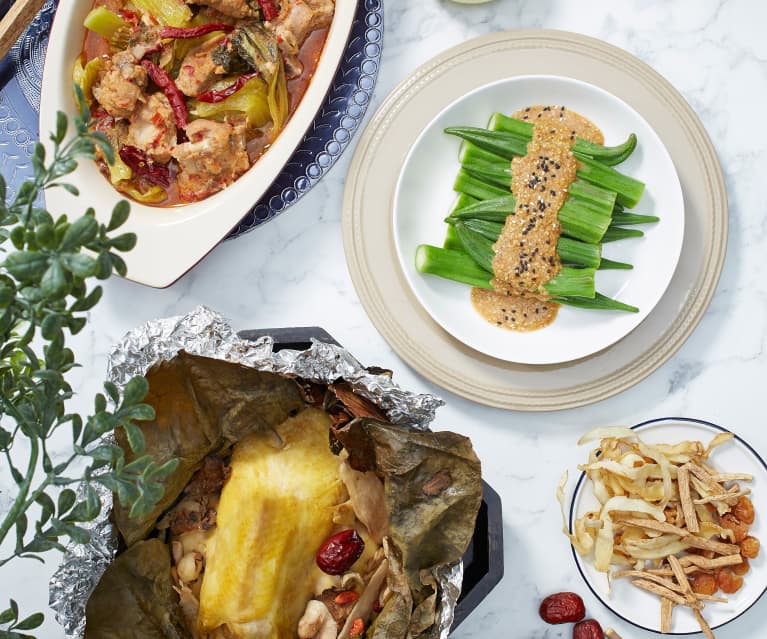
[292,272]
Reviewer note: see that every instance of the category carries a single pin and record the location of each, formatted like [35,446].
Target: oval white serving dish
[172,240]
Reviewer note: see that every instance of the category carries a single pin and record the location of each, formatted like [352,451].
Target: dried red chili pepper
[269,9]
[129,16]
[194,32]
[219,95]
[171,91]
[143,167]
[100,115]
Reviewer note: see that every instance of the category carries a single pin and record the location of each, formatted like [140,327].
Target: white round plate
[424,195]
[171,240]
[643,608]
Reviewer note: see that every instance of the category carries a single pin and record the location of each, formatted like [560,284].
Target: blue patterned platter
[327,137]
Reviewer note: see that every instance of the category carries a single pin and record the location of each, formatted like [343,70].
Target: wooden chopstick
[21,13]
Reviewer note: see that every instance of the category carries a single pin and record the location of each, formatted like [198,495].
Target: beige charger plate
[383,289]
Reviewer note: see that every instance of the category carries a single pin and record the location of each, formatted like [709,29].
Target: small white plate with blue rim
[642,608]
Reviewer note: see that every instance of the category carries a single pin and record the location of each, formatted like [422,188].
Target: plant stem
[18,506]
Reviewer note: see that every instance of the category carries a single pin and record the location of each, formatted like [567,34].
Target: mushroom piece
[366,492]
[317,622]
[190,608]
[189,567]
[363,608]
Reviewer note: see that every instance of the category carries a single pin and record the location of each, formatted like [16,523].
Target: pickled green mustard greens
[537,198]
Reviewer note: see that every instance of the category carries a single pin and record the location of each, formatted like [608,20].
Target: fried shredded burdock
[666,516]
[666,614]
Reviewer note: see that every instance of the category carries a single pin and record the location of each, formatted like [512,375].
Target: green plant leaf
[79,264]
[85,510]
[47,507]
[82,104]
[106,452]
[104,269]
[27,193]
[76,324]
[38,160]
[135,438]
[30,623]
[89,301]
[45,236]
[21,530]
[120,214]
[66,500]
[112,392]
[135,391]
[27,266]
[43,544]
[80,233]
[7,292]
[70,188]
[62,124]
[50,326]
[118,264]
[54,281]
[140,412]
[7,616]
[103,143]
[125,242]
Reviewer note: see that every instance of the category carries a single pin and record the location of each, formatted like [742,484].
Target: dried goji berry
[346,597]
[562,607]
[358,627]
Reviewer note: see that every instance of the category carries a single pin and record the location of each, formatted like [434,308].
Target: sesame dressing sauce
[526,251]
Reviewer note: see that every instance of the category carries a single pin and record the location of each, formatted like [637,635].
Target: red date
[562,607]
[589,629]
[339,552]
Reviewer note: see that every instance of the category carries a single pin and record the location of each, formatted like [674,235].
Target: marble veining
[292,271]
